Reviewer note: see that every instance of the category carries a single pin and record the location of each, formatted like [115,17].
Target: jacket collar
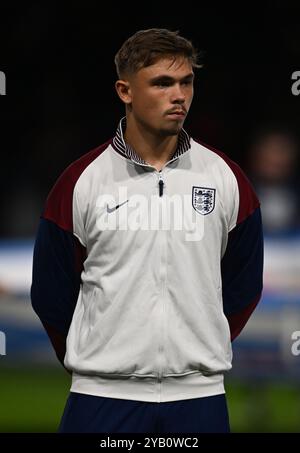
[124,148]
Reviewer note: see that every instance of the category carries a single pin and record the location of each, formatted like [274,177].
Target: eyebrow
[167,78]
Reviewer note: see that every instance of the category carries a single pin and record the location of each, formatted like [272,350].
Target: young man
[148,259]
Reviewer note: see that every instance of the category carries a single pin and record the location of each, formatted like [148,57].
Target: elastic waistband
[170,388]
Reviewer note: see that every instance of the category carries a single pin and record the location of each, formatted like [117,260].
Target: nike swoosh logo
[109,210]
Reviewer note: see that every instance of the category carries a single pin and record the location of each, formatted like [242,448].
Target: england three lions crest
[203,199]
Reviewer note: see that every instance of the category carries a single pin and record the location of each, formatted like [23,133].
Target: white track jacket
[143,278]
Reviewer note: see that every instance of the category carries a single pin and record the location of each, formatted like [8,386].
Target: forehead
[168,66]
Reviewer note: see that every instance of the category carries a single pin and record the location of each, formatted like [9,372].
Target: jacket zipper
[160,184]
[163,265]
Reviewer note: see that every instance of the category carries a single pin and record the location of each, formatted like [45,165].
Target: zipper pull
[160,185]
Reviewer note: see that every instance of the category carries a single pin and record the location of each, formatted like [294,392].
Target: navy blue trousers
[97,414]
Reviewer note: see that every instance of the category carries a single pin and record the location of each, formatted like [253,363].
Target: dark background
[61,101]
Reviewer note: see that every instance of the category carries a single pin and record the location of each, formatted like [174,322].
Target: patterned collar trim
[121,146]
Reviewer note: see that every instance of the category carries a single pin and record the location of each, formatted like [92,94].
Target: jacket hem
[150,389]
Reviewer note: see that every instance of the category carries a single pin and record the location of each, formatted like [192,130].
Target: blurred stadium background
[60,103]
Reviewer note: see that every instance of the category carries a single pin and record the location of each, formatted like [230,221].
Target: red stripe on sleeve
[59,203]
[238,320]
[248,199]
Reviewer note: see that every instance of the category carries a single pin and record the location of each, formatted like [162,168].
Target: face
[159,96]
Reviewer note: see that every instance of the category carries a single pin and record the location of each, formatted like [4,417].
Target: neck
[155,150]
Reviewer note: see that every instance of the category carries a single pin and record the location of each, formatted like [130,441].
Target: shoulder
[59,203]
[247,198]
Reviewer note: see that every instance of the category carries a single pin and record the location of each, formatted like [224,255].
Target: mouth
[178,114]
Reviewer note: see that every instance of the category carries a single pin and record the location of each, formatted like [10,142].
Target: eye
[187,82]
[163,84]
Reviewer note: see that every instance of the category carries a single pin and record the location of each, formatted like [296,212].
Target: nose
[177,96]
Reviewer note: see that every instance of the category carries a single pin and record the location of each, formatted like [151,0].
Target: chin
[171,131]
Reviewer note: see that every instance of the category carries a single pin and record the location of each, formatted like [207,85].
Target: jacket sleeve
[242,263]
[57,265]
[58,261]
[60,252]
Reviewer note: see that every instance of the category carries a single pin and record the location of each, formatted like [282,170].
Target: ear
[124,91]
